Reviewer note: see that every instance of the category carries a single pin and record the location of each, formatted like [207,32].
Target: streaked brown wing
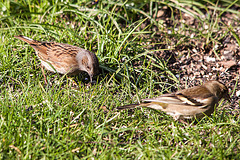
[41,48]
[56,52]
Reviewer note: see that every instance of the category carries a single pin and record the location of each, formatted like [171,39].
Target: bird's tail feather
[25,39]
[130,106]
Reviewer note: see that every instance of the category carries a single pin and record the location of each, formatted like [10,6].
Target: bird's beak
[91,76]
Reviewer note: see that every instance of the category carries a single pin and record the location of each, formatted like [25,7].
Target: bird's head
[88,62]
[218,89]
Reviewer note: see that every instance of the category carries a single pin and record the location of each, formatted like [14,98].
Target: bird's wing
[180,98]
[166,98]
[51,50]
[57,52]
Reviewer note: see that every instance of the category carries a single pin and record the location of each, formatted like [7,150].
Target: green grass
[64,121]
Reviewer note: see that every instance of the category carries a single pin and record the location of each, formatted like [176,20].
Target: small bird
[64,58]
[189,103]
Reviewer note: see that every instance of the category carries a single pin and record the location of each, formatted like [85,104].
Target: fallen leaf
[104,108]
[16,149]
[228,64]
[76,149]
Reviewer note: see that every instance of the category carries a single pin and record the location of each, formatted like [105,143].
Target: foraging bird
[188,103]
[64,58]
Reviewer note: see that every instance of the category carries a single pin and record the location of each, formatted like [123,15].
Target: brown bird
[188,103]
[64,58]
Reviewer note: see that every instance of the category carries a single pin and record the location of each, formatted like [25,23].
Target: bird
[64,58]
[190,103]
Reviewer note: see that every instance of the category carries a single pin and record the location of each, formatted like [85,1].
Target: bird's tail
[25,39]
[130,106]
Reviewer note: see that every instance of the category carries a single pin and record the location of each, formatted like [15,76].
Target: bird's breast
[61,67]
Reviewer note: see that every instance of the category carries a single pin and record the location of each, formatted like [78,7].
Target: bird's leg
[44,76]
[184,122]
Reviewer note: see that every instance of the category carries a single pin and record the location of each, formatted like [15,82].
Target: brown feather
[188,103]
[64,58]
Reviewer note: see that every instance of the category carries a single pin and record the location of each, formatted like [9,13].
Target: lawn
[145,49]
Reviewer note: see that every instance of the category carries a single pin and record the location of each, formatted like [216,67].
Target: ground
[145,49]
